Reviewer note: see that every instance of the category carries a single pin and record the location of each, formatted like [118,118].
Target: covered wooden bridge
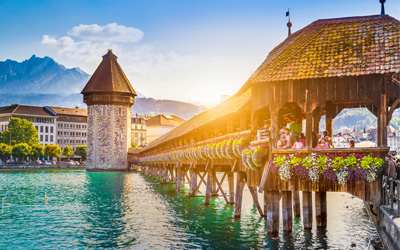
[319,70]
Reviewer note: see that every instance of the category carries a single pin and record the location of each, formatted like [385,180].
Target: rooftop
[26,110]
[336,47]
[69,111]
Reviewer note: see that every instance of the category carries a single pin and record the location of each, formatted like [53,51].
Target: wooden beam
[320,209]
[193,183]
[382,116]
[240,182]
[231,188]
[178,179]
[201,180]
[287,216]
[296,203]
[234,165]
[329,118]
[309,124]
[253,192]
[307,209]
[392,109]
[271,200]
[208,188]
[264,177]
[220,187]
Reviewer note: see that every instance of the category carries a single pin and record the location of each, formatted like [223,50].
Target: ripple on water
[126,210]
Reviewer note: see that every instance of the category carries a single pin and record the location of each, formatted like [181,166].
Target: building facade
[43,119]
[161,124]
[138,131]
[109,97]
[71,126]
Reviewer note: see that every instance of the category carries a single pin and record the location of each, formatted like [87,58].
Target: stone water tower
[109,97]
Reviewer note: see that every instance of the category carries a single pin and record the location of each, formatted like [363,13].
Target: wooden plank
[253,192]
[307,209]
[240,182]
[321,209]
[208,188]
[231,188]
[287,216]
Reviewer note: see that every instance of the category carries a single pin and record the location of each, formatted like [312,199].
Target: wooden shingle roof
[229,106]
[335,48]
[109,78]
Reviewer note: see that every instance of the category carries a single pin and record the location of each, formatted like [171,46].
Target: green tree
[68,152]
[20,131]
[37,151]
[52,151]
[81,151]
[5,151]
[21,150]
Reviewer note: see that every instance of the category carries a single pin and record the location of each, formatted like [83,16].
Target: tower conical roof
[109,78]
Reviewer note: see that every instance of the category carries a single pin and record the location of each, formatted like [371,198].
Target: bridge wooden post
[165,178]
[178,177]
[296,203]
[307,209]
[240,182]
[287,216]
[271,200]
[193,184]
[320,208]
[231,187]
[214,190]
[208,188]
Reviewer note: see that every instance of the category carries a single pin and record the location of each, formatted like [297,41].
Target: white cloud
[112,32]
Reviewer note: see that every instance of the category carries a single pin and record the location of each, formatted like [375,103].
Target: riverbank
[22,167]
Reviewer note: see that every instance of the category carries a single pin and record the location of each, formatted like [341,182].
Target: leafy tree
[52,151]
[5,151]
[21,150]
[68,151]
[20,131]
[81,151]
[37,151]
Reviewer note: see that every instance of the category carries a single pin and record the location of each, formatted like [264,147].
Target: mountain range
[44,82]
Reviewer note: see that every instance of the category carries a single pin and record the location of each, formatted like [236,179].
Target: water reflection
[127,210]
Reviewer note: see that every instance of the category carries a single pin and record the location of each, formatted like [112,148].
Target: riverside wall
[389,227]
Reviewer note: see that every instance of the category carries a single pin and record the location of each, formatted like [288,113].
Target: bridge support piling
[178,179]
[296,203]
[193,183]
[307,209]
[320,208]
[253,192]
[287,216]
[240,182]
[165,178]
[231,188]
[214,190]
[272,198]
[208,188]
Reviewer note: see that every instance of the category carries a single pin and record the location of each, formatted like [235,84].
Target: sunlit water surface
[127,210]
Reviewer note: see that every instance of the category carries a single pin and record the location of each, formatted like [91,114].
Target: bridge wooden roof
[337,47]
[229,106]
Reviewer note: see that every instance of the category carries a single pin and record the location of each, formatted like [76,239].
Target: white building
[71,126]
[161,124]
[43,118]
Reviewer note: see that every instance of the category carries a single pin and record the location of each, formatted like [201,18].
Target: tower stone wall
[109,97]
[108,136]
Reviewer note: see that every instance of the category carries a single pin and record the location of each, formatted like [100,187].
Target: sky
[193,51]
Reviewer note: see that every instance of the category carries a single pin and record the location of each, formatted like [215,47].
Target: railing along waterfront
[390,196]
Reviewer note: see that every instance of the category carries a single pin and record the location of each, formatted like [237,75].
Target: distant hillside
[44,82]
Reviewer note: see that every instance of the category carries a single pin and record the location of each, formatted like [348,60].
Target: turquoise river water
[128,211]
